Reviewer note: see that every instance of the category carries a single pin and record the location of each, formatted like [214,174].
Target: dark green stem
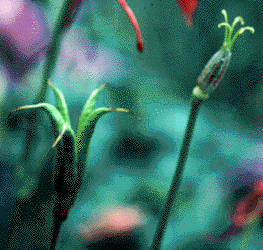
[31,136]
[58,219]
[15,222]
[53,51]
[177,178]
[55,232]
[82,166]
[50,62]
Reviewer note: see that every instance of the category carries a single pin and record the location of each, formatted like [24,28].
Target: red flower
[134,22]
[250,208]
[246,210]
[188,7]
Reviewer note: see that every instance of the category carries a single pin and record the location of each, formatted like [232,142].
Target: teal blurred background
[131,163]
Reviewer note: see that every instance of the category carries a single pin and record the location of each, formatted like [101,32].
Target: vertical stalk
[177,178]
[64,19]
[53,50]
[58,219]
[15,223]
[55,232]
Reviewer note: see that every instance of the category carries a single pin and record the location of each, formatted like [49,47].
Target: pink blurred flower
[111,222]
[22,26]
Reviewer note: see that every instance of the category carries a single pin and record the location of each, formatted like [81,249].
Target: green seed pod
[214,71]
[65,171]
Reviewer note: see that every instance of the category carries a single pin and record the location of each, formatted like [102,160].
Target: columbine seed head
[216,67]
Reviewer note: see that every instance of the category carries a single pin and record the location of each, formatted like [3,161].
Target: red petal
[259,187]
[134,22]
[249,208]
[188,7]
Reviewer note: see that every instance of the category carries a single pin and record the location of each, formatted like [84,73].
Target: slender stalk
[50,62]
[177,178]
[58,219]
[55,232]
[15,221]
[207,82]
[32,133]
[53,50]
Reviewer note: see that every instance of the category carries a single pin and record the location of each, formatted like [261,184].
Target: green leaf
[83,138]
[61,103]
[51,111]
[86,117]
[90,105]
[26,178]
[85,129]
[55,115]
[25,175]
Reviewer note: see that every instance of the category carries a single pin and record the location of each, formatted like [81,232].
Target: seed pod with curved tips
[215,69]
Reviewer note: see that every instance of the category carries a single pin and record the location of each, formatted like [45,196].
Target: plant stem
[177,178]
[13,242]
[34,117]
[55,232]
[53,50]
[58,219]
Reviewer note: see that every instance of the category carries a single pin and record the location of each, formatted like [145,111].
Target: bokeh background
[131,163]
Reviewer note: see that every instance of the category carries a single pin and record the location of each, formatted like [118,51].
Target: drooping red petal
[259,187]
[188,8]
[249,208]
[246,210]
[134,22]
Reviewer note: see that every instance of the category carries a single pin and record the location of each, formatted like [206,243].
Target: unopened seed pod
[214,71]
[65,171]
